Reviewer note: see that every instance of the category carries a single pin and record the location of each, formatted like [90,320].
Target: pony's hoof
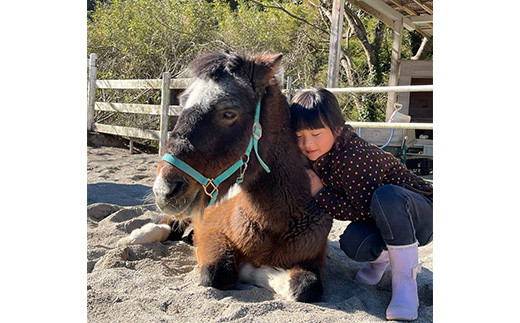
[221,275]
[125,241]
[189,238]
[306,287]
[177,231]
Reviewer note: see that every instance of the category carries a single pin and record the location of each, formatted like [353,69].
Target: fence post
[91,99]
[335,42]
[165,106]
[289,89]
[393,80]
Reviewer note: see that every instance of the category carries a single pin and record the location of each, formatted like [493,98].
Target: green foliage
[139,39]
[143,38]
[252,28]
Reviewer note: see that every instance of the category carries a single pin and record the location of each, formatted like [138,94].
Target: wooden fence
[164,109]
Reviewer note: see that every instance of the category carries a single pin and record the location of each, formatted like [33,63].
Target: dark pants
[401,216]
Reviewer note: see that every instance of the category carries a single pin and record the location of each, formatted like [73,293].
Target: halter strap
[214,183]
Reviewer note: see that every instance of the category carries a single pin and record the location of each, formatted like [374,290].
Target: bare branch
[346,63]
[170,27]
[354,21]
[423,49]
[323,12]
[379,34]
[280,7]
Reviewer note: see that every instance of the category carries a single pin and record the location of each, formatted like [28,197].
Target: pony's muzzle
[170,187]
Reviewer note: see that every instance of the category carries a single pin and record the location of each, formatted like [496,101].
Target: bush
[141,39]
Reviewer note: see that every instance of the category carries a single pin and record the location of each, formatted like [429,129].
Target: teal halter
[214,183]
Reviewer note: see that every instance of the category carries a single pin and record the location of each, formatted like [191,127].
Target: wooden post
[165,106]
[91,88]
[335,43]
[289,89]
[394,66]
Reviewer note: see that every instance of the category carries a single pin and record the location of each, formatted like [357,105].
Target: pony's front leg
[169,228]
[217,260]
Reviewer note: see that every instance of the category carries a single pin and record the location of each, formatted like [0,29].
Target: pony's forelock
[213,65]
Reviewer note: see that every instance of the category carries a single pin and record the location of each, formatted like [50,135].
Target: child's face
[315,142]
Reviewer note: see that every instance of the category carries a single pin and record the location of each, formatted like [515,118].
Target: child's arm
[336,204]
[333,202]
[316,184]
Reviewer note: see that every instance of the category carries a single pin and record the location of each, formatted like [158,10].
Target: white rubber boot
[372,272]
[405,302]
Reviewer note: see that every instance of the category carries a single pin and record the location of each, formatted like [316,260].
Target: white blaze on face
[200,91]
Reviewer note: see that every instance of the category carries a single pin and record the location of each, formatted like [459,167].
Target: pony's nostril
[176,188]
[177,185]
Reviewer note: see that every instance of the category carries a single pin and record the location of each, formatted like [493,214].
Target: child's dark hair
[312,109]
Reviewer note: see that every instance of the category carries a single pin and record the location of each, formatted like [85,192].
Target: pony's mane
[214,65]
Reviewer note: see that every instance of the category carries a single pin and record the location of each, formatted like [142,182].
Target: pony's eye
[229,115]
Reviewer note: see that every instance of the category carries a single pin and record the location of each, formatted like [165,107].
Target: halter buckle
[242,171]
[257,130]
[215,189]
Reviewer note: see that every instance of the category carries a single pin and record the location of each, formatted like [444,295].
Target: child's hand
[316,184]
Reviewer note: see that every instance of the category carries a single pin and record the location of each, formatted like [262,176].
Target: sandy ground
[159,282]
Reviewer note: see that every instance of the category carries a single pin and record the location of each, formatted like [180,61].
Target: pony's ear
[279,75]
[265,67]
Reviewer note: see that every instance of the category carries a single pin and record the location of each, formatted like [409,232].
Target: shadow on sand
[120,194]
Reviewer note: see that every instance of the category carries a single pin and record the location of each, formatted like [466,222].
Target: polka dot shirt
[352,170]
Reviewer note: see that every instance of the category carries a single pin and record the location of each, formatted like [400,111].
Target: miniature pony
[234,130]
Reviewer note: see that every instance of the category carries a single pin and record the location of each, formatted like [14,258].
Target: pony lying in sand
[234,130]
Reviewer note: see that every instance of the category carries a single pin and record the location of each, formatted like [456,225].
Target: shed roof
[416,14]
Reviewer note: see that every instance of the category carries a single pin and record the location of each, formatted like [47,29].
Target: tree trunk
[376,47]
[347,66]
[358,27]
[423,49]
